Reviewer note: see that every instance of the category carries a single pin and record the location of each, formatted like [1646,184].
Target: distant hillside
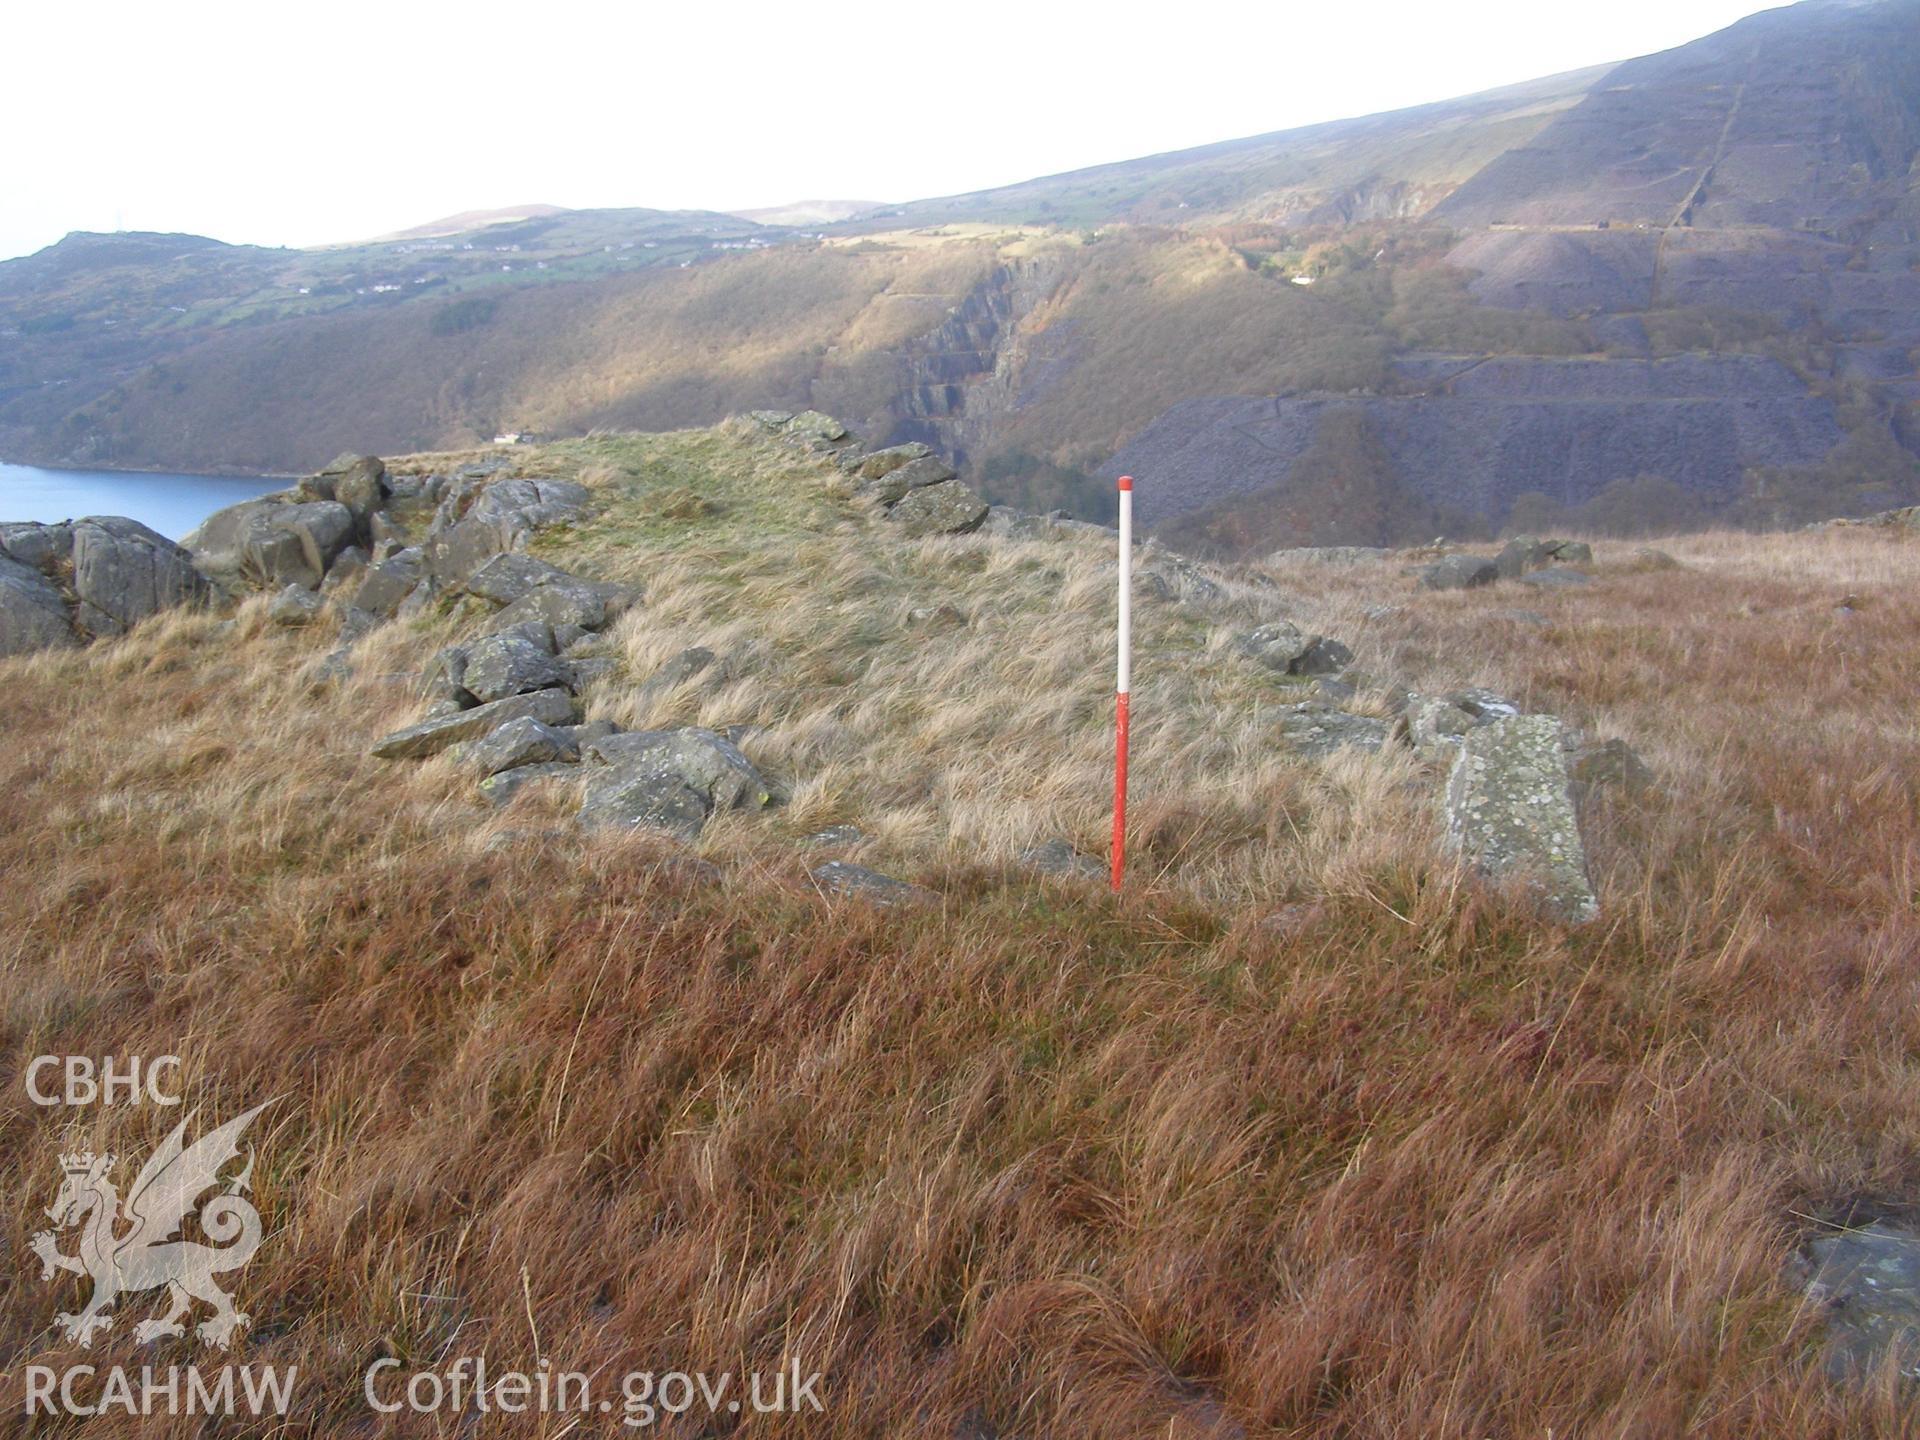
[810,212]
[1676,288]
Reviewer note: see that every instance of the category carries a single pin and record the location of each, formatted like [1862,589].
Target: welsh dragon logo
[132,1245]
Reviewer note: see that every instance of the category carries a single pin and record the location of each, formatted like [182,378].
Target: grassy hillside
[1031,1161]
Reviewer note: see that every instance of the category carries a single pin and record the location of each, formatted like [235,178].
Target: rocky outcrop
[915,488]
[61,585]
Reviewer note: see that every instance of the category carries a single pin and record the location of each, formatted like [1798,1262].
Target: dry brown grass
[1065,1164]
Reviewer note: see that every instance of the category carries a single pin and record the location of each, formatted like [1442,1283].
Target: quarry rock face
[1509,810]
[1476,435]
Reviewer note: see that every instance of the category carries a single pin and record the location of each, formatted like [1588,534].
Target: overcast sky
[294,125]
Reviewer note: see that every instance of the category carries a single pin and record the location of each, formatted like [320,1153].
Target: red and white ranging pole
[1125,682]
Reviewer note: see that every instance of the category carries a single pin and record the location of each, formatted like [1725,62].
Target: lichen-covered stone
[1509,809]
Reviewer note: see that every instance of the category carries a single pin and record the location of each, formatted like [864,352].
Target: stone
[295,606]
[1434,726]
[936,617]
[1523,553]
[813,425]
[1648,558]
[536,633]
[389,583]
[1459,572]
[584,735]
[33,615]
[949,508]
[502,665]
[919,473]
[525,741]
[445,676]
[1608,765]
[837,836]
[359,482]
[123,573]
[505,578]
[587,604]
[591,670]
[502,786]
[1316,730]
[348,569]
[856,882]
[877,463]
[430,737]
[1572,552]
[385,533]
[1284,647]
[772,419]
[1058,857]
[1556,577]
[1509,809]
[1865,1282]
[270,542]
[46,548]
[668,780]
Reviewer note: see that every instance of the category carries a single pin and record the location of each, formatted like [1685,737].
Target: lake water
[171,504]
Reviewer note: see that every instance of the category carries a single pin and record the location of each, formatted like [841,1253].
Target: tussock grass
[1416,1164]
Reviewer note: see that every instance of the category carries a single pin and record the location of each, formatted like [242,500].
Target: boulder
[505,578]
[586,604]
[1523,553]
[268,543]
[1316,730]
[123,572]
[1459,572]
[948,508]
[46,548]
[668,780]
[499,788]
[33,616]
[525,741]
[878,463]
[1648,558]
[1510,811]
[349,568]
[772,419]
[502,665]
[295,606]
[1572,552]
[856,882]
[1284,647]
[430,737]
[813,425]
[1864,1282]
[359,482]
[390,582]
[446,677]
